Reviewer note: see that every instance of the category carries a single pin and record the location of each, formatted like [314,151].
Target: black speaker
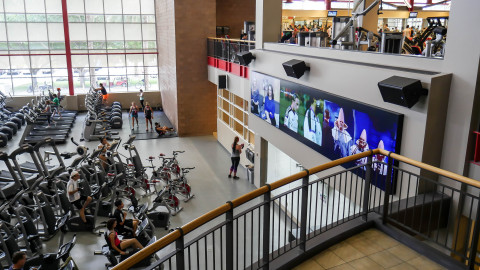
[222,81]
[401,91]
[245,58]
[295,68]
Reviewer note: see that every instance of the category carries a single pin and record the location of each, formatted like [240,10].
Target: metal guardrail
[227,49]
[261,226]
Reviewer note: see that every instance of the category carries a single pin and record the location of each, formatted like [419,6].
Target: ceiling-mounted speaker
[245,58]
[222,81]
[295,68]
[402,91]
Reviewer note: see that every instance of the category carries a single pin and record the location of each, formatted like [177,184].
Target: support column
[68,52]
[369,21]
[188,98]
[268,23]
[328,4]
[412,3]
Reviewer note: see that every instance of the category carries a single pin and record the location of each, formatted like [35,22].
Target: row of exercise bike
[35,203]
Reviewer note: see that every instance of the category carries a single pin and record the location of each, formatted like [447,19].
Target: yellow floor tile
[365,264]
[344,266]
[385,259]
[309,265]
[424,263]
[385,241]
[368,247]
[403,253]
[328,259]
[402,266]
[348,253]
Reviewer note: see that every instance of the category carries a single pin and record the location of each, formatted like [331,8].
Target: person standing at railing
[235,157]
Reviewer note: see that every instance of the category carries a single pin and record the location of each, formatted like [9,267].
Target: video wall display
[335,127]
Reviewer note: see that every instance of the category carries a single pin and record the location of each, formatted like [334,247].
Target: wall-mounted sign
[413,15]
[332,13]
[334,126]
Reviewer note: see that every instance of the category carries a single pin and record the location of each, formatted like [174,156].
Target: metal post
[366,189]
[180,256]
[266,229]
[304,210]
[229,237]
[388,185]
[476,234]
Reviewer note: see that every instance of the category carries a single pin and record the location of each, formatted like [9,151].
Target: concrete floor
[209,183]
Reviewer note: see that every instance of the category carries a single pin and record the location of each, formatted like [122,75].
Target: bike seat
[130,165]
[161,155]
[150,157]
[110,174]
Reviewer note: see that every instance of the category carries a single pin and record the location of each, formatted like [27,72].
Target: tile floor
[369,250]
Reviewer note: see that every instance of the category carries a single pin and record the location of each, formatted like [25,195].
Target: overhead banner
[334,126]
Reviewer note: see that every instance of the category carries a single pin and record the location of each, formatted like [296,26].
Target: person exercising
[104,145]
[104,93]
[56,106]
[74,196]
[124,224]
[148,115]
[161,130]
[19,259]
[134,114]
[117,244]
[48,111]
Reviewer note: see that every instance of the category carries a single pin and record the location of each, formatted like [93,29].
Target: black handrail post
[304,210]
[476,234]
[229,237]
[366,189]
[266,229]
[179,246]
[388,186]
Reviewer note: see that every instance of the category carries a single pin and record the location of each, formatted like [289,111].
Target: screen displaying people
[265,91]
[334,126]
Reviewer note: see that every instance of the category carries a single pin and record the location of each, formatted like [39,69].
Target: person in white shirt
[341,138]
[311,125]
[378,160]
[360,146]
[74,196]
[407,32]
[291,116]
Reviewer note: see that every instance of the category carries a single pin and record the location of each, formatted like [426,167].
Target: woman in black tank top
[148,116]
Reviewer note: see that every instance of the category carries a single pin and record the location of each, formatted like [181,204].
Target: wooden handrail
[194,224]
[233,39]
[442,172]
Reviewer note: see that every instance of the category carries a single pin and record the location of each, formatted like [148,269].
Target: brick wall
[233,13]
[196,96]
[165,16]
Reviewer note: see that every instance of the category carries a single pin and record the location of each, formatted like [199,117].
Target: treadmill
[8,187]
[27,166]
[34,139]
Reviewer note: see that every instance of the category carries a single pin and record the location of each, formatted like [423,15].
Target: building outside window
[111,41]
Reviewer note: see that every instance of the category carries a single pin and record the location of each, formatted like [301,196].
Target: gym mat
[140,132]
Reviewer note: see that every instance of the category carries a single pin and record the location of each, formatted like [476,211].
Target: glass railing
[227,49]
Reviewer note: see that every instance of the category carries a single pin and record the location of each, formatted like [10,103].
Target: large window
[111,41]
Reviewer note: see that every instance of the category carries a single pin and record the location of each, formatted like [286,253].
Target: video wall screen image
[334,126]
